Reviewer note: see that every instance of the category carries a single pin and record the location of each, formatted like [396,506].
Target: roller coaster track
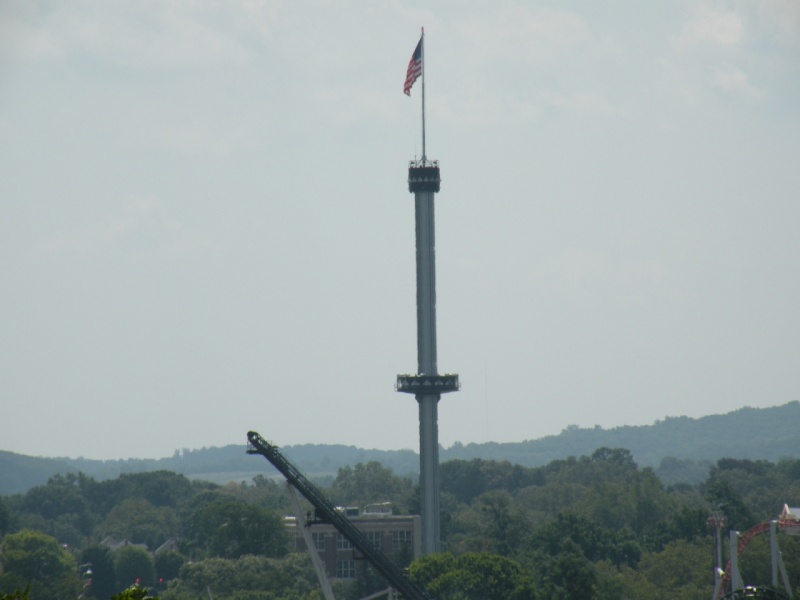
[329,513]
[744,540]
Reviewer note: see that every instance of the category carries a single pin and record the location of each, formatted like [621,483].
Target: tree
[370,482]
[133,564]
[65,513]
[472,576]
[5,516]
[685,523]
[135,592]
[501,533]
[682,570]
[247,577]
[168,565]
[141,522]
[613,584]
[16,595]
[104,577]
[618,456]
[36,559]
[568,575]
[721,494]
[462,479]
[594,541]
[467,480]
[159,488]
[60,496]
[229,528]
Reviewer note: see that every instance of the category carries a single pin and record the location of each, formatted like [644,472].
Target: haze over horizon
[205,226]
[454,445]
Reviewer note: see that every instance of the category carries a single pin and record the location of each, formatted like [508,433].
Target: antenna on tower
[422,52]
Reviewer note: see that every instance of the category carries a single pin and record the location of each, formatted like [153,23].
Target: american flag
[414,69]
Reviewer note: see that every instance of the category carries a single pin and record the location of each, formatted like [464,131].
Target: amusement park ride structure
[427,385]
[789,523]
[780,589]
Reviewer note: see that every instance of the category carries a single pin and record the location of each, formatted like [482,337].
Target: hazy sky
[205,226]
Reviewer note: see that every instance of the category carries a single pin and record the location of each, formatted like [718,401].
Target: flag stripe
[414,69]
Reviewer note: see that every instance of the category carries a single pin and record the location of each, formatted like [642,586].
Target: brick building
[397,536]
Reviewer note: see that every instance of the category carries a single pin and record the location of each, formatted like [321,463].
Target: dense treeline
[598,526]
[678,448]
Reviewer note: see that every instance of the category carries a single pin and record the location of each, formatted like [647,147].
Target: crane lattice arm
[390,571]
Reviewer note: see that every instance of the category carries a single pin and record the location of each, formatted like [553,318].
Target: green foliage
[264,492]
[229,528]
[366,583]
[104,577]
[722,495]
[135,592]
[60,496]
[605,465]
[594,526]
[625,583]
[16,594]
[472,576]
[247,577]
[495,523]
[672,471]
[571,533]
[5,515]
[63,511]
[684,569]
[685,523]
[371,482]
[139,521]
[766,433]
[133,565]
[568,575]
[21,473]
[168,565]
[35,559]
[755,490]
[466,480]
[160,489]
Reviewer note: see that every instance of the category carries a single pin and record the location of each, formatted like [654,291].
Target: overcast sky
[205,226]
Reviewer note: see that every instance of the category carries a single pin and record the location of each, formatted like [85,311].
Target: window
[401,539]
[319,540]
[345,569]
[342,543]
[374,538]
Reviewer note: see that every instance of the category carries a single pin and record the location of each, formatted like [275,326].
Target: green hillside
[753,433]
[678,448]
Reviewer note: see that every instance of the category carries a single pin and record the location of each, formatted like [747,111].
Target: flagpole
[422,40]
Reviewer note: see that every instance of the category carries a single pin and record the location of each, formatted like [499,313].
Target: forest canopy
[594,526]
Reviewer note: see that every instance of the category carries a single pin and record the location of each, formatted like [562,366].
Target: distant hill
[679,448]
[754,433]
[18,472]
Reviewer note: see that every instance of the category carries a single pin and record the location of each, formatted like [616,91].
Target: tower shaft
[429,472]
[426,365]
[426,282]
[427,385]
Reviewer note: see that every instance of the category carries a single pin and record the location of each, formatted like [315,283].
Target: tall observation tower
[427,385]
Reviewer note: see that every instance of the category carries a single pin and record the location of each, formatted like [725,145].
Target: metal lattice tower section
[427,385]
